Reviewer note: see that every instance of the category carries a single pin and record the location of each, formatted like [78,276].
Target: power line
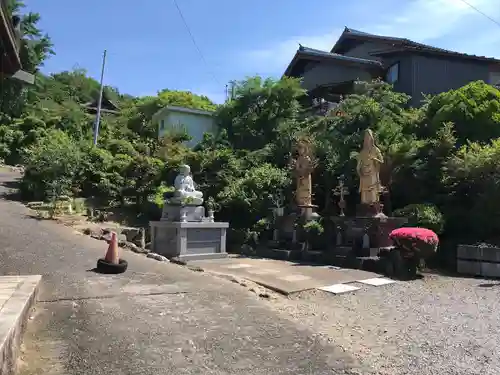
[194,42]
[480,12]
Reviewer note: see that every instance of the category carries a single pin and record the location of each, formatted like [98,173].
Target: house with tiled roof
[412,68]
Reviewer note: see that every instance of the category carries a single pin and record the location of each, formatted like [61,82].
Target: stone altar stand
[367,232]
[183,231]
[189,240]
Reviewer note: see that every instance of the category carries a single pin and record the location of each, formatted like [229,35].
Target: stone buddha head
[184,170]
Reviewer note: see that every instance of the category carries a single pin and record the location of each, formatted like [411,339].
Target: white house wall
[195,125]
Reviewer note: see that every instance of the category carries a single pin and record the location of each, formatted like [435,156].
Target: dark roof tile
[411,45]
[317,52]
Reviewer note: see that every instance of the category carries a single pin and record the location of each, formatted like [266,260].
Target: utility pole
[99,103]
[232,85]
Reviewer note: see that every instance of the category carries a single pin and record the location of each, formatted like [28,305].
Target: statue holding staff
[368,168]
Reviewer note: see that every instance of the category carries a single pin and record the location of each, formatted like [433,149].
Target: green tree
[252,194]
[261,112]
[472,177]
[474,111]
[51,166]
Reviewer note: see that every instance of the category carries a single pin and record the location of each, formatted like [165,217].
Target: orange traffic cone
[112,253]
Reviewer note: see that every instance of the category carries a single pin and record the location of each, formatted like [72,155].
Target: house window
[162,124]
[494,79]
[392,74]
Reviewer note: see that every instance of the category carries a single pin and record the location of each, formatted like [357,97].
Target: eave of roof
[435,51]
[356,34]
[402,44]
[104,99]
[308,53]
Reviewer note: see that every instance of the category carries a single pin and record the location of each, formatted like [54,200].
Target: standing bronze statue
[368,168]
[304,165]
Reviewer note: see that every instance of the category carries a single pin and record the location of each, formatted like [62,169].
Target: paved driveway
[155,319]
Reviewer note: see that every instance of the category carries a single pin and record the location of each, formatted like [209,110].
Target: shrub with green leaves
[423,216]
[313,228]
[158,197]
[51,166]
[250,194]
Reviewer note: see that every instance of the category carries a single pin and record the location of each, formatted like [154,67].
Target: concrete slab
[283,276]
[17,296]
[339,288]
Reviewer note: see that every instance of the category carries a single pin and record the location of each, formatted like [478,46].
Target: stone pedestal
[307,211]
[369,210]
[351,232]
[179,213]
[189,240]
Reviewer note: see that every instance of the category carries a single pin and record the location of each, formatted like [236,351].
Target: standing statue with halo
[369,161]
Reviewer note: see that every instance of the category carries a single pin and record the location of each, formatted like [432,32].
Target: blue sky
[149,48]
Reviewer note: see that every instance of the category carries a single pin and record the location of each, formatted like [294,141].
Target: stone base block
[189,240]
[352,230]
[369,210]
[175,212]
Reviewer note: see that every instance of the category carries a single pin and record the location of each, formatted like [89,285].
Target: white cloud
[277,55]
[424,20]
[420,20]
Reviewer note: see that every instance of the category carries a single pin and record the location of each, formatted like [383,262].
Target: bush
[422,215]
[250,194]
[262,225]
[261,231]
[313,232]
[313,228]
[159,195]
[472,178]
[51,166]
[420,240]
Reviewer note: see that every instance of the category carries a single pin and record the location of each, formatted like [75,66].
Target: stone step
[279,254]
[366,263]
[313,256]
[17,297]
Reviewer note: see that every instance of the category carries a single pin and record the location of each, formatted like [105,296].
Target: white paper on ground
[339,288]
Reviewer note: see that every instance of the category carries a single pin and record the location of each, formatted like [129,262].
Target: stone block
[490,254]
[468,267]
[470,252]
[490,269]
[189,240]
[272,253]
[342,250]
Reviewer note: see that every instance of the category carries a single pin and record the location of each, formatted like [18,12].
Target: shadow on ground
[11,191]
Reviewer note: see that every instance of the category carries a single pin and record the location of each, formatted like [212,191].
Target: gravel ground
[436,325]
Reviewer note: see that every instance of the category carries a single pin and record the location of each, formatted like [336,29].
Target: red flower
[420,240]
[422,234]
